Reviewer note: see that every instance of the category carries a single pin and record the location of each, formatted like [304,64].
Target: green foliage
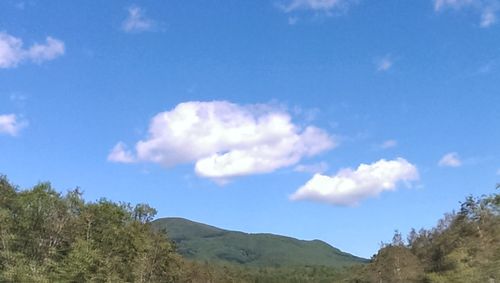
[463,247]
[49,237]
[46,236]
[201,242]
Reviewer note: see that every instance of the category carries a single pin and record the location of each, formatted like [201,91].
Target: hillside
[207,243]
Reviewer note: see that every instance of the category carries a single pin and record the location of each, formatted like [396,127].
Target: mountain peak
[203,242]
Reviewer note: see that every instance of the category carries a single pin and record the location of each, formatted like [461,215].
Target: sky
[339,120]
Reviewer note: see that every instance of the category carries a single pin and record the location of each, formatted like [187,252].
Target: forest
[46,236]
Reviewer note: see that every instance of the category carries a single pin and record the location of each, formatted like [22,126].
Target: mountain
[203,242]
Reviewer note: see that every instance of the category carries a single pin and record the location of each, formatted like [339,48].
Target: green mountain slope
[207,243]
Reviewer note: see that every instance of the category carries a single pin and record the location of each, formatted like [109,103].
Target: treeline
[463,247]
[46,236]
[49,237]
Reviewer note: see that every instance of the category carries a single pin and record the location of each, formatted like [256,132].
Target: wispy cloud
[488,18]
[11,125]
[226,140]
[120,154]
[325,6]
[311,168]
[455,4]
[316,5]
[451,159]
[137,21]
[384,64]
[349,187]
[487,9]
[389,144]
[12,52]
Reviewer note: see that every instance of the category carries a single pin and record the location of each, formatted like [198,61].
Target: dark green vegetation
[46,236]
[463,247]
[49,237]
[207,243]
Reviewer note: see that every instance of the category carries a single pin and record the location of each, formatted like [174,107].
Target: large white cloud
[225,140]
[349,187]
[10,124]
[13,53]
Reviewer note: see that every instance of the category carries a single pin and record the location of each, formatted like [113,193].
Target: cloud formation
[10,124]
[486,8]
[315,5]
[225,140]
[450,160]
[389,144]
[12,52]
[348,187]
[455,4]
[488,18]
[384,64]
[311,168]
[137,21]
[121,154]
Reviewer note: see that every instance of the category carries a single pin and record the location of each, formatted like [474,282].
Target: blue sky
[336,120]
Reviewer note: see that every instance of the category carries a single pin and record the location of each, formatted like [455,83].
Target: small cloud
[119,153]
[315,5]
[389,144]
[384,64]
[52,49]
[16,97]
[137,21]
[486,8]
[311,168]
[12,52]
[488,18]
[498,172]
[486,68]
[454,4]
[349,187]
[450,160]
[11,125]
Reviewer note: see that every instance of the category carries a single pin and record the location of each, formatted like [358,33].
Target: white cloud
[486,8]
[137,21]
[450,160]
[11,125]
[121,154]
[12,52]
[315,5]
[225,140]
[311,168]
[384,64]
[389,144]
[349,187]
[454,4]
[498,172]
[488,18]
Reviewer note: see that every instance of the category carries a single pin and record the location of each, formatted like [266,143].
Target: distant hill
[202,242]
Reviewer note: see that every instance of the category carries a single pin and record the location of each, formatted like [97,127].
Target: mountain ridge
[203,242]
